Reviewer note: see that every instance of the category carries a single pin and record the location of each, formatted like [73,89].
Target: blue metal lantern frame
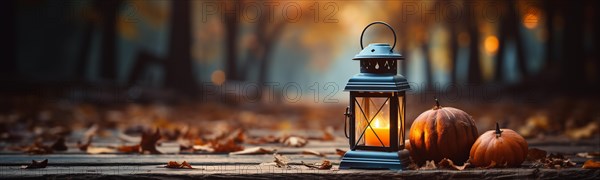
[378,78]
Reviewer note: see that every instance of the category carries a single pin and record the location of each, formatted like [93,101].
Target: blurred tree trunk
[503,37]
[514,26]
[231,38]
[596,54]
[550,56]
[453,51]
[84,52]
[573,57]
[8,64]
[428,66]
[108,10]
[178,65]
[143,60]
[267,40]
[474,74]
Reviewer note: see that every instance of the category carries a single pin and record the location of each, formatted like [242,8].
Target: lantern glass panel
[401,105]
[376,111]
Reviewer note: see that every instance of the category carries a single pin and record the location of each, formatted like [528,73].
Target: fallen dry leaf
[536,124]
[127,138]
[203,148]
[554,161]
[535,154]
[225,146]
[295,141]
[312,152]
[491,165]
[148,142]
[263,140]
[100,150]
[281,161]
[87,138]
[38,148]
[59,145]
[254,150]
[412,166]
[175,165]
[325,165]
[591,164]
[83,146]
[589,154]
[448,164]
[582,132]
[340,152]
[36,164]
[428,165]
[129,149]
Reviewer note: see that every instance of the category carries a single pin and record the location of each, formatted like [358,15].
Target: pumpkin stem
[498,131]
[437,103]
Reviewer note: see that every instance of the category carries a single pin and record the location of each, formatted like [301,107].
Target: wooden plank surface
[77,164]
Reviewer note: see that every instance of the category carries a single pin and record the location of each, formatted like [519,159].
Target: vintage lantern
[376,112]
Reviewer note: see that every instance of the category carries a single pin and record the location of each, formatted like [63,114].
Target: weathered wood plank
[256,171]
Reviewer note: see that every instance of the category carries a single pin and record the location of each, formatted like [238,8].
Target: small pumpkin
[503,146]
[442,132]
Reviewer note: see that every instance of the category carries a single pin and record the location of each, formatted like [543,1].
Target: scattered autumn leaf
[589,154]
[428,165]
[254,150]
[535,154]
[36,164]
[148,142]
[412,166]
[554,161]
[582,132]
[535,125]
[340,152]
[295,141]
[59,145]
[175,165]
[325,165]
[127,138]
[591,164]
[263,140]
[100,150]
[129,149]
[448,164]
[281,161]
[225,146]
[86,145]
[38,148]
[491,165]
[312,152]
[88,136]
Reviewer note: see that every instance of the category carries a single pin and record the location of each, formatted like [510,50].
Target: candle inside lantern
[383,132]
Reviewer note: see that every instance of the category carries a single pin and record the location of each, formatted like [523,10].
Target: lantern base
[375,160]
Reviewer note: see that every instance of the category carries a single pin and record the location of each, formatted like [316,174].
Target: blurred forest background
[139,64]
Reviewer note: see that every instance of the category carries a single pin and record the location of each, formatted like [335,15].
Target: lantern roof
[378,51]
[377,83]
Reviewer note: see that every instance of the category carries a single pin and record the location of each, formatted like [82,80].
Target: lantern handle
[377,22]
[346,115]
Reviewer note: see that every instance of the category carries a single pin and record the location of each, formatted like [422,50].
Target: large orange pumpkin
[503,146]
[442,132]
